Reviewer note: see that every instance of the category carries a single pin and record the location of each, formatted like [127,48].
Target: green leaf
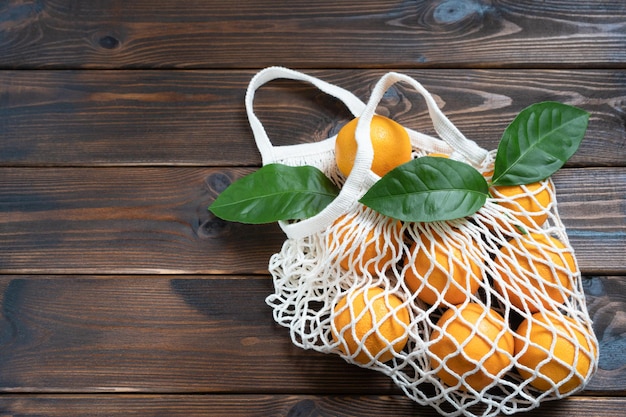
[275,192]
[538,142]
[428,189]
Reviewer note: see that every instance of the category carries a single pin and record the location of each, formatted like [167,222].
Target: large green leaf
[275,192]
[428,189]
[538,142]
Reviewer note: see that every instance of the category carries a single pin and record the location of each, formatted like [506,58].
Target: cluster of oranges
[471,344]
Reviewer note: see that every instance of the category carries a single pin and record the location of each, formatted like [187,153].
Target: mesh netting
[476,316]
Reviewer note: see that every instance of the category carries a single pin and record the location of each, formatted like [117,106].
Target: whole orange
[554,350]
[370,323]
[475,343]
[443,269]
[390,141]
[362,246]
[535,263]
[527,204]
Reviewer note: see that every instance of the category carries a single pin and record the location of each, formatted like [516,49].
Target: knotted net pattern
[451,311]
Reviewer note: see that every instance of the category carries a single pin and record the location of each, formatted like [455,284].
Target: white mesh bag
[475,316]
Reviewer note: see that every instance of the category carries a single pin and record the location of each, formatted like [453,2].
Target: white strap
[358,182]
[443,126]
[467,148]
[353,103]
[361,177]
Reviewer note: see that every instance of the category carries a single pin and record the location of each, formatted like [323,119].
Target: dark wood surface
[121,121]
[301,33]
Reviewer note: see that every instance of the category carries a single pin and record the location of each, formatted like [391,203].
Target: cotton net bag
[476,316]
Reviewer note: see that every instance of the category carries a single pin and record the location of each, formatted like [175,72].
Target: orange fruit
[535,263]
[390,141]
[362,246]
[370,323]
[476,345]
[528,204]
[447,268]
[568,344]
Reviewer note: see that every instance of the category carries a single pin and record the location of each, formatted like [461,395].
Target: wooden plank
[606,302]
[156,334]
[367,33]
[591,208]
[153,334]
[145,220]
[70,118]
[268,405]
[137,220]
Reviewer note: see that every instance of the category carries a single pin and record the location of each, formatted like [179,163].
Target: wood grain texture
[120,121]
[139,220]
[367,33]
[197,118]
[202,334]
[267,406]
[143,220]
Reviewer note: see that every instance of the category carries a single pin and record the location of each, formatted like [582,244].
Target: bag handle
[468,149]
[267,150]
[361,177]
[357,183]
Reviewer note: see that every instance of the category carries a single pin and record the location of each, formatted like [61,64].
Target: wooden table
[121,121]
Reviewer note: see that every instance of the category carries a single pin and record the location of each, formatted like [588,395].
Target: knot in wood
[452,11]
[109,42]
[306,408]
[218,182]
[212,228]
